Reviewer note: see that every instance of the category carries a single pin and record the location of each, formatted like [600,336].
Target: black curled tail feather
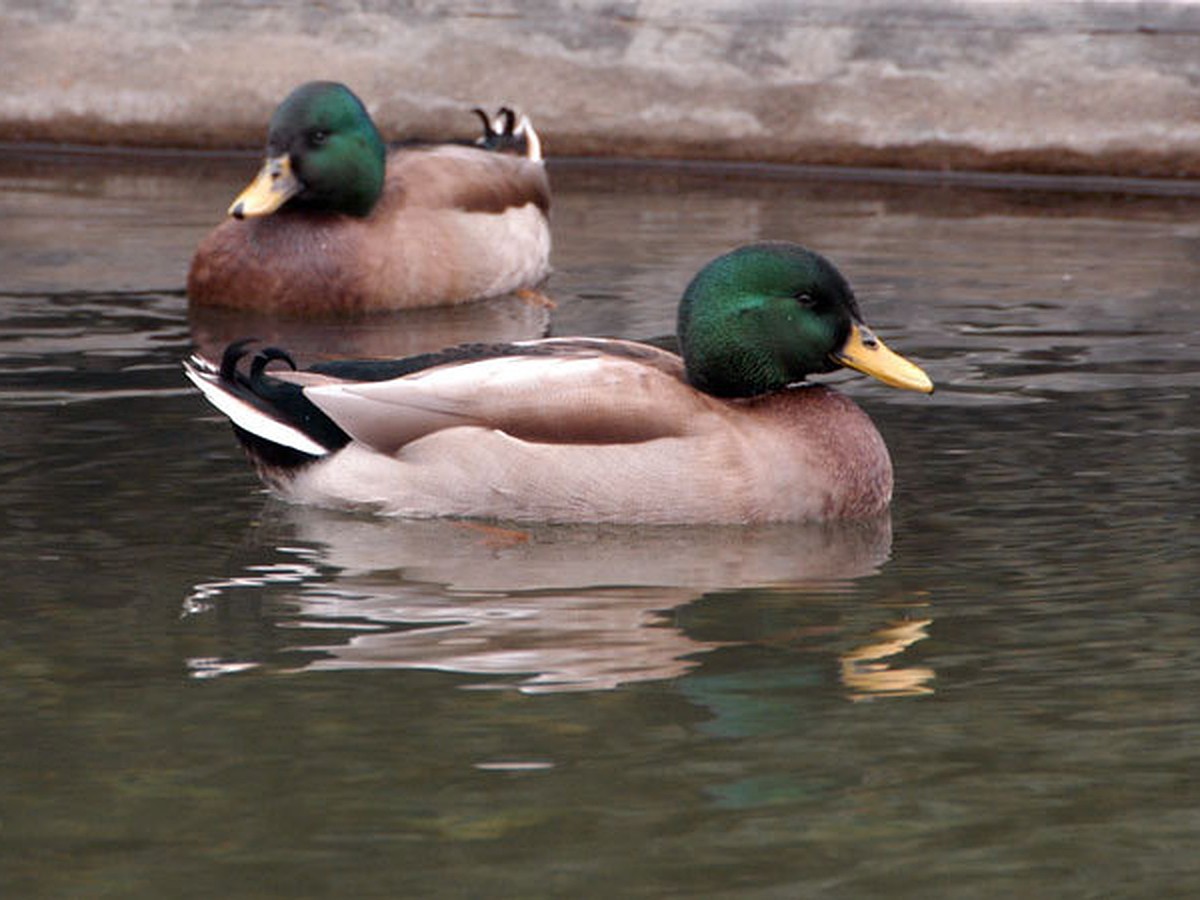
[489,133]
[267,355]
[280,400]
[506,132]
[231,357]
[499,132]
[288,400]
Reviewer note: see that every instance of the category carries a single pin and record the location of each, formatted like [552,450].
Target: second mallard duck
[334,224]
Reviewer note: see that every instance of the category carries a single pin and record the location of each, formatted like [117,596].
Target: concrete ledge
[1057,86]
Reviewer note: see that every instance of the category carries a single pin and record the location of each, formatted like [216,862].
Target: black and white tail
[509,132]
[272,418]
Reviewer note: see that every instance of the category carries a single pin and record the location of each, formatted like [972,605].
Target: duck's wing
[552,391]
[464,178]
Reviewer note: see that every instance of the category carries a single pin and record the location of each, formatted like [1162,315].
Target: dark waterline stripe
[1008,181]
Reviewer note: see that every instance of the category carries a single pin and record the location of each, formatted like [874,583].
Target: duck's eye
[805,299]
[317,138]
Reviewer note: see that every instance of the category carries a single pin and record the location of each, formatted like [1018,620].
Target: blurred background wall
[1046,85]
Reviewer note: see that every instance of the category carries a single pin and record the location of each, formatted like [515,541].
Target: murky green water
[997,693]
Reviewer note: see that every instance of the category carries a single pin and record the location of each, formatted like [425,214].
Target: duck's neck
[751,349]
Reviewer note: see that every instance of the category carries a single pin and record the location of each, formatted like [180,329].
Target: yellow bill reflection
[868,673]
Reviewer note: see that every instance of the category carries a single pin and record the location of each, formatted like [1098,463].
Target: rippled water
[204,692]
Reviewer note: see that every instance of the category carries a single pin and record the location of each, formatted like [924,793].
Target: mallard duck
[335,224]
[591,429]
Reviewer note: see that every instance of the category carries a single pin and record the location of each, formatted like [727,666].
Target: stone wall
[1045,85]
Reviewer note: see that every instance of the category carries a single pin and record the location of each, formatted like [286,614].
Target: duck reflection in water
[382,335]
[558,608]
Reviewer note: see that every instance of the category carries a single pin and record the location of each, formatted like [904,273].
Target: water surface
[991,692]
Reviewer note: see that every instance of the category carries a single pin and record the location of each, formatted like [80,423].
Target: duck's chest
[812,453]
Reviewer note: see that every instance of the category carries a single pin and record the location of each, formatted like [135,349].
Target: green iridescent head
[323,153]
[767,315]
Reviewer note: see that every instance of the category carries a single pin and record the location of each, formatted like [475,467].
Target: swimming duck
[335,224]
[592,429]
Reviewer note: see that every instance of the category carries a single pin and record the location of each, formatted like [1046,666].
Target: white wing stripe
[252,419]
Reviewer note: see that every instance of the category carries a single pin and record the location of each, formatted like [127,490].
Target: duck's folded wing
[466,179]
[579,399]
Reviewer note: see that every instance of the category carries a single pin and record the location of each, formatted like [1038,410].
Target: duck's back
[462,223]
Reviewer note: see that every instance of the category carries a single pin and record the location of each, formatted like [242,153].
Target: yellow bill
[868,354]
[274,185]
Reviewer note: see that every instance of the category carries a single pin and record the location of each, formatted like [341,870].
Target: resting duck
[335,224]
[594,430]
